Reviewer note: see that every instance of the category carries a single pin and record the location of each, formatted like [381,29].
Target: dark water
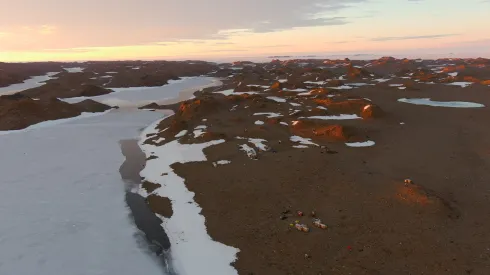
[147,222]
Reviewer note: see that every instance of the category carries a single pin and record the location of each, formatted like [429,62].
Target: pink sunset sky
[35,30]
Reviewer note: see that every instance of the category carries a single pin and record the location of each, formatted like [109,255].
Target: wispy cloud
[116,23]
[393,38]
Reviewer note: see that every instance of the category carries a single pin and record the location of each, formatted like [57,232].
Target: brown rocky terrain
[12,73]
[19,111]
[376,223]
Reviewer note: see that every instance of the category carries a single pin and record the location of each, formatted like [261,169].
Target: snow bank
[193,250]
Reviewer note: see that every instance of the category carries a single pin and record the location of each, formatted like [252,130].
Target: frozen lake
[176,90]
[30,83]
[62,198]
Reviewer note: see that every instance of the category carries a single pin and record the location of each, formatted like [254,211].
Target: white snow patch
[395,85]
[302,140]
[259,143]
[198,133]
[259,122]
[193,250]
[453,74]
[360,84]
[461,84]
[282,80]
[249,151]
[315,82]
[343,87]
[269,115]
[360,144]
[295,90]
[276,99]
[230,92]
[402,88]
[181,134]
[333,117]
[258,86]
[450,104]
[221,162]
[74,69]
[300,146]
[382,79]
[284,123]
[295,104]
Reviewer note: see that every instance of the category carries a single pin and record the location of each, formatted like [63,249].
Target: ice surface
[276,99]
[62,199]
[30,83]
[140,96]
[193,250]
[450,104]
[360,144]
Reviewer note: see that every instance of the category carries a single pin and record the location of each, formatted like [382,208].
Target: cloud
[73,50]
[393,38]
[95,23]
[223,43]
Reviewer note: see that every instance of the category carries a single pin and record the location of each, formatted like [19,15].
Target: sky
[74,30]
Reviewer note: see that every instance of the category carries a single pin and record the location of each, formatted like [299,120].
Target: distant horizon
[267,58]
